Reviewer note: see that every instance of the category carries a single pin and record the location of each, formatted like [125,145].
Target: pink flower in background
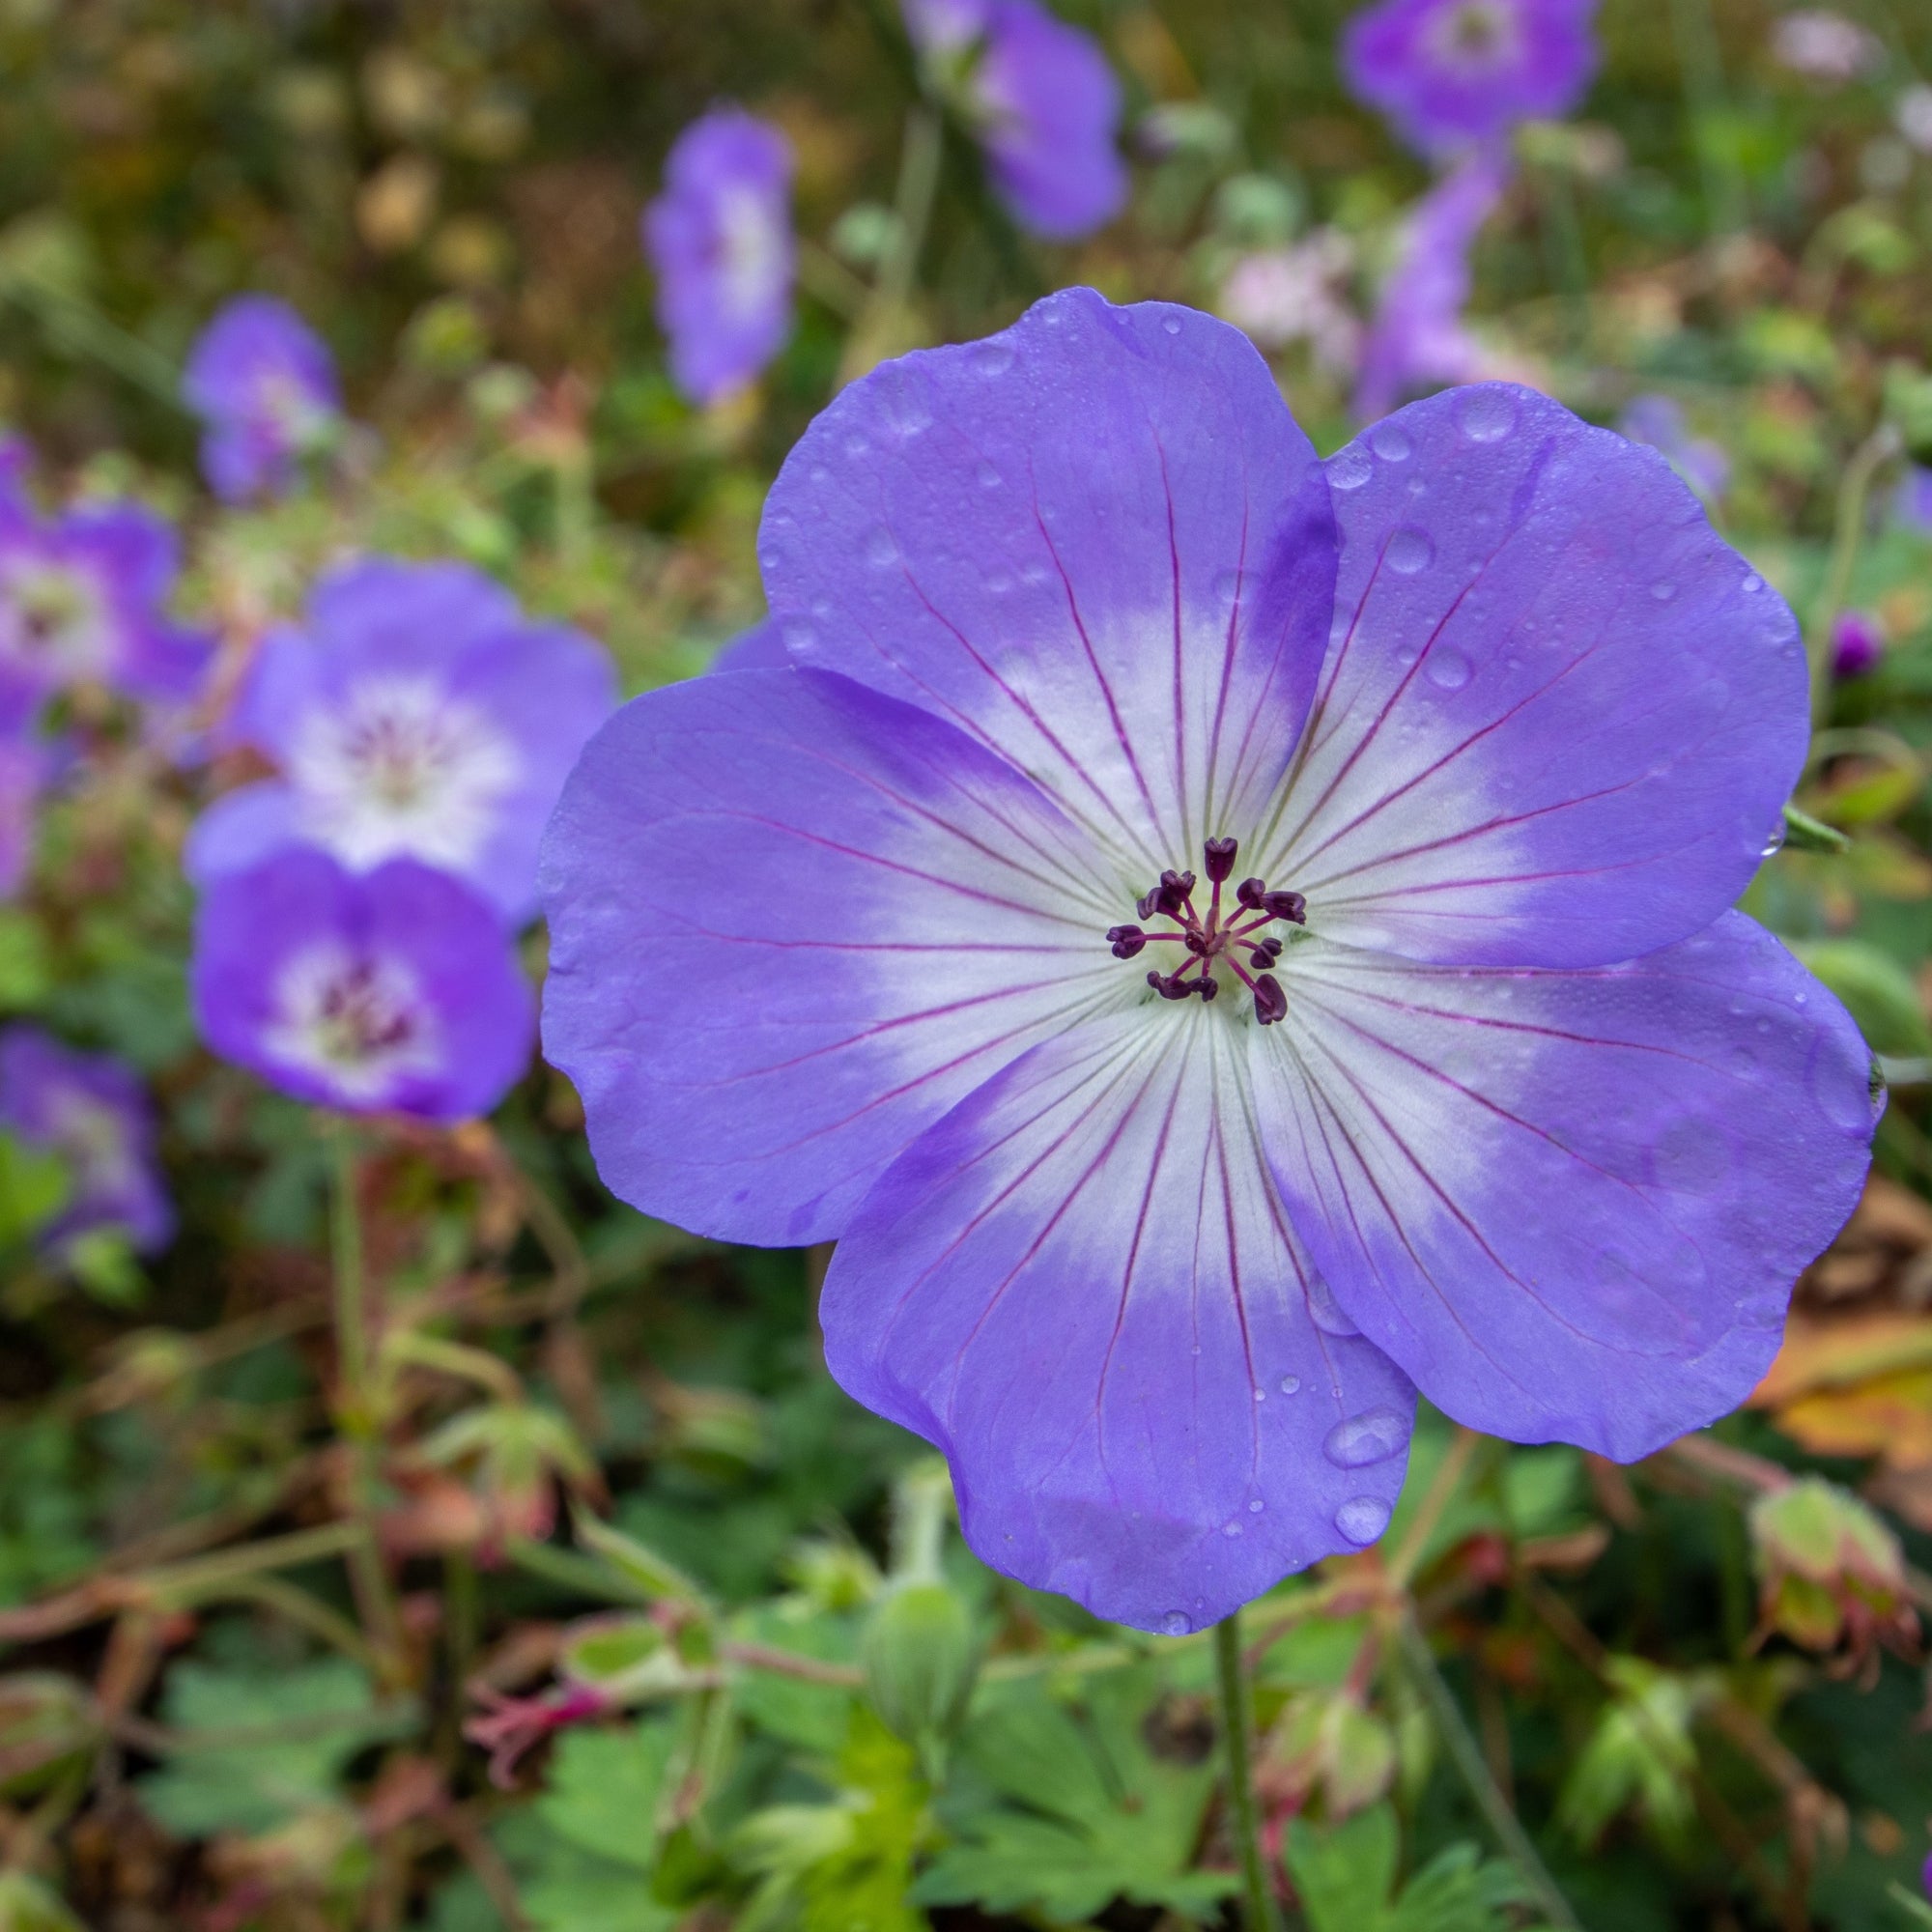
[1281,295]
[1825,47]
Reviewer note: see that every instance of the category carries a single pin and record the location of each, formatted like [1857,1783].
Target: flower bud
[1830,1571]
[47,1724]
[920,1663]
[1331,1740]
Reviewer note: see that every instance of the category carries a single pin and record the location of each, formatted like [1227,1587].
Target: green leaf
[1082,1812]
[1878,993]
[1346,1876]
[296,1730]
[604,1789]
[34,1188]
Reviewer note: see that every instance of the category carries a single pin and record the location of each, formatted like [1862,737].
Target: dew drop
[1291,1384]
[1774,840]
[1326,1310]
[1752,585]
[1447,668]
[992,359]
[1255,1507]
[1390,441]
[1261,1395]
[1227,588]
[1487,414]
[1409,552]
[1231,1529]
[798,634]
[1175,1623]
[881,551]
[1350,468]
[771,559]
[1362,1518]
[997,582]
[1373,1437]
[990,477]
[1664,590]
[1172,323]
[820,474]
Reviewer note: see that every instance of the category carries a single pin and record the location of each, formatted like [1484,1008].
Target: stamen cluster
[1212,935]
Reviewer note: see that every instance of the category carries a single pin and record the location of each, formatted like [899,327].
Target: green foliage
[1075,1810]
[257,1746]
[1346,1878]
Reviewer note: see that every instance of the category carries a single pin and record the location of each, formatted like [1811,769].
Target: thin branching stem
[1238,1729]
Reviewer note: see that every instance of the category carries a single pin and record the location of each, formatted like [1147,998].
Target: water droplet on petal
[857,446]
[1752,584]
[1409,552]
[1775,842]
[1172,323]
[1362,1518]
[1390,441]
[1175,1623]
[1261,1395]
[992,359]
[1485,414]
[1349,469]
[1326,1310]
[990,477]
[1447,668]
[798,634]
[881,551]
[1373,1437]
[1255,1507]
[1664,590]
[1291,1384]
[1231,1529]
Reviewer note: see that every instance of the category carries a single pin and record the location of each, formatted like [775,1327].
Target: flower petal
[1570,1205]
[1082,1286]
[1097,541]
[793,921]
[239,830]
[1560,716]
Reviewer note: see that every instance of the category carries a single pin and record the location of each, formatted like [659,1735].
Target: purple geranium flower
[1418,339]
[1911,501]
[1041,101]
[83,600]
[264,384]
[416,714]
[1658,422]
[720,240]
[1453,72]
[1220,940]
[91,1109]
[391,991]
[26,762]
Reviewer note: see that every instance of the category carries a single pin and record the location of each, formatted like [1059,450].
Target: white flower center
[1478,35]
[401,769]
[92,1138]
[359,1020]
[53,620]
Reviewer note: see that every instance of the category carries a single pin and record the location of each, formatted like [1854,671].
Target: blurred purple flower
[760,648]
[391,991]
[1911,501]
[93,1112]
[26,763]
[1912,115]
[1418,339]
[1453,1068]
[1041,101]
[1294,294]
[1658,422]
[264,383]
[719,242]
[83,600]
[1858,644]
[417,713]
[1453,72]
[1824,47]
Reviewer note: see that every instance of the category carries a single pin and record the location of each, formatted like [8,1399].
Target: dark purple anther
[1220,857]
[1195,942]
[1270,1002]
[1268,951]
[1172,890]
[1206,987]
[1250,893]
[1125,940]
[1149,904]
[1286,905]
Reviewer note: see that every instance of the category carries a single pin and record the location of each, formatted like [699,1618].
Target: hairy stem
[1466,1754]
[1847,536]
[1238,1727]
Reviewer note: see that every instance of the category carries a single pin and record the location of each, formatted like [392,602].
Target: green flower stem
[1701,64]
[1238,1727]
[355,1409]
[1468,1757]
[1847,536]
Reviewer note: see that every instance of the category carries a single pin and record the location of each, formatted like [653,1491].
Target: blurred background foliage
[699,1616]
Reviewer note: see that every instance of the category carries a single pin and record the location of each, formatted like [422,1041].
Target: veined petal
[793,922]
[1559,716]
[1570,1205]
[1097,542]
[1081,1284]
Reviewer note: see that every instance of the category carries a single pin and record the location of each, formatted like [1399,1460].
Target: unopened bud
[921,1665]
[1830,1571]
